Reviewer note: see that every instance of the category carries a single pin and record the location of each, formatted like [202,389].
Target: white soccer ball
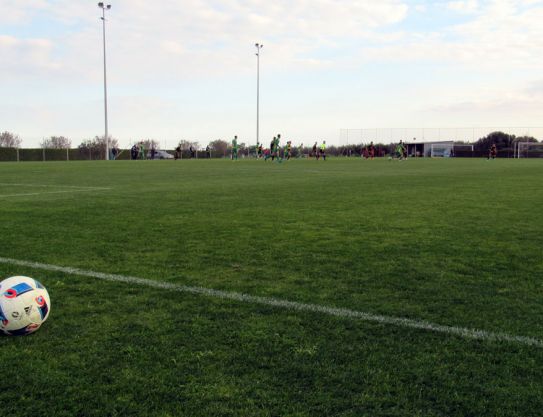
[24,306]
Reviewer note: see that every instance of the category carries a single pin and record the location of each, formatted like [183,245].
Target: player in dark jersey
[314,153]
[493,152]
[272,148]
[371,151]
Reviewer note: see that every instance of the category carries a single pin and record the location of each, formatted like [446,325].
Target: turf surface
[453,242]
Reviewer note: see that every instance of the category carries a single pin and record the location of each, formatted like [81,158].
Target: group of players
[275,153]
[368,152]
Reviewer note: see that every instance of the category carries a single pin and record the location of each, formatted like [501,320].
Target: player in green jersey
[235,148]
[323,150]
[288,150]
[277,147]
[273,151]
[142,151]
[400,151]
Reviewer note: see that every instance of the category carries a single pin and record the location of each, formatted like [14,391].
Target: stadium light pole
[258,48]
[105,7]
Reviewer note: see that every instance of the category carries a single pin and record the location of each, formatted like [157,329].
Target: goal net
[462,150]
[442,150]
[529,150]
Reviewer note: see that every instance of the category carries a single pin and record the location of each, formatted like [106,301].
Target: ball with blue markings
[24,306]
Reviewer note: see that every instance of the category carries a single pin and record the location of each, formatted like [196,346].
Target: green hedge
[30,155]
[8,154]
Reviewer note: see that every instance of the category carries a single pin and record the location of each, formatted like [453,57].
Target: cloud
[16,12]
[198,37]
[464,6]
[171,62]
[21,55]
[502,34]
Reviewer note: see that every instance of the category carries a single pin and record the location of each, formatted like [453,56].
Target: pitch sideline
[462,332]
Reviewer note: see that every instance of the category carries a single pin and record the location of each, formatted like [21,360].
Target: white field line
[52,192]
[290,305]
[78,187]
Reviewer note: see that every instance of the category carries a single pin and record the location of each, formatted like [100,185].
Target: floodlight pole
[258,48]
[104,8]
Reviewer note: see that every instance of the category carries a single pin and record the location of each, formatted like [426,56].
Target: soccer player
[277,147]
[301,150]
[272,148]
[142,151]
[323,150]
[493,152]
[371,151]
[400,151]
[259,150]
[288,150]
[314,152]
[235,148]
[134,152]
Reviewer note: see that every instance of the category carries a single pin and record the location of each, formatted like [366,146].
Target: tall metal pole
[104,8]
[258,48]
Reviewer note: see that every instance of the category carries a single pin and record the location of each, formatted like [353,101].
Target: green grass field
[449,242]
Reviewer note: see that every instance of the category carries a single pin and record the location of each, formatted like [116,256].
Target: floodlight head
[101,5]
[109,6]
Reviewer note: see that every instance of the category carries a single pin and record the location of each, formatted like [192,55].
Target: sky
[186,70]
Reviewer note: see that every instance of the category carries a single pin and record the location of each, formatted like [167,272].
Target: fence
[39,154]
[438,134]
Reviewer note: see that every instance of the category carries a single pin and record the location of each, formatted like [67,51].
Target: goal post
[529,150]
[442,150]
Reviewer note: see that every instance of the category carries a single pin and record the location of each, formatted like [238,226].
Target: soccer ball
[24,306]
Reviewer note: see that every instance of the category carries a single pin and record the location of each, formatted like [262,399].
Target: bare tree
[185,145]
[150,143]
[97,146]
[56,142]
[9,140]
[218,147]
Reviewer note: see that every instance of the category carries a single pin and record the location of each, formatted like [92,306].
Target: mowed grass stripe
[289,305]
[48,193]
[78,187]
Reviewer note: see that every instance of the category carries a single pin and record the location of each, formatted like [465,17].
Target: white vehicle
[159,155]
[24,306]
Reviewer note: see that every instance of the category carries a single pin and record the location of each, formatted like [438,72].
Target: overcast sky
[187,69]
